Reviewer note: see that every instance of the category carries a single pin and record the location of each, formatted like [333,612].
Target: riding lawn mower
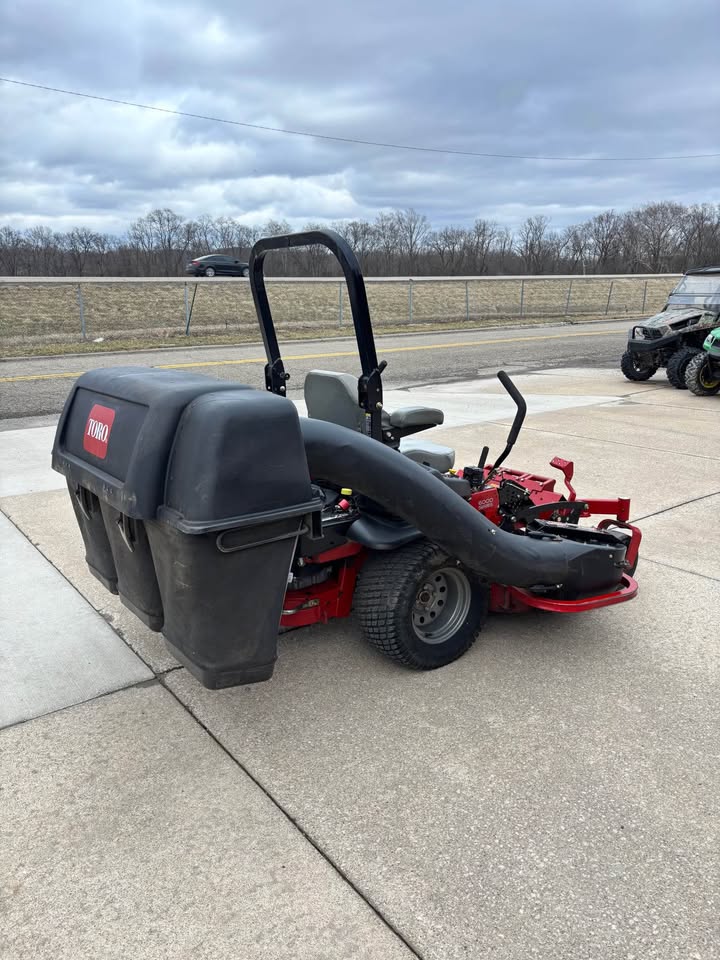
[221,517]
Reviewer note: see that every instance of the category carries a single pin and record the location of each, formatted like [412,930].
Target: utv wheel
[698,377]
[419,606]
[677,365]
[634,369]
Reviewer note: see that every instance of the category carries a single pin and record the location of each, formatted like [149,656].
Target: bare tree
[700,228]
[206,236]
[225,234]
[605,233]
[244,238]
[172,237]
[276,228]
[479,244]
[105,246]
[503,250]
[652,238]
[536,245]
[658,229]
[388,238]
[451,246]
[412,232]
[44,250]
[362,237]
[141,246]
[80,243]
[311,261]
[575,247]
[12,249]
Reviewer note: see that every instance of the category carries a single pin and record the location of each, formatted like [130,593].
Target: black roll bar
[370,396]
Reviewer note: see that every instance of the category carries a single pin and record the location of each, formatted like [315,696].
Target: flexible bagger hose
[406,490]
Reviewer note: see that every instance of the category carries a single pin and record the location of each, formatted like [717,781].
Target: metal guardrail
[408,279]
[68,309]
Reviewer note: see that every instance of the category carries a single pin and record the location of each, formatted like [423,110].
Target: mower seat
[333,397]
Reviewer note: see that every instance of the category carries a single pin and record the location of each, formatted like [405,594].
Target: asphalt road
[37,387]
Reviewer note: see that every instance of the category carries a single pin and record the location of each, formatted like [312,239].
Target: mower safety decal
[97,430]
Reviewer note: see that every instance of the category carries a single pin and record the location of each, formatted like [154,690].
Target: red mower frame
[333,599]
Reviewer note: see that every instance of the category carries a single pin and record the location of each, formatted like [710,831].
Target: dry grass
[44,318]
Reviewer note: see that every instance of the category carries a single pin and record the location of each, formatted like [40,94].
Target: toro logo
[97,430]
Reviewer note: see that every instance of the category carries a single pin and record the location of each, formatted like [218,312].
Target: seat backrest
[333,397]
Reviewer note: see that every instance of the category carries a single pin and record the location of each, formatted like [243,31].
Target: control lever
[517,423]
[571,511]
[568,468]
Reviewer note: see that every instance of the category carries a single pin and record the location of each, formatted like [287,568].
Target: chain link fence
[140,311]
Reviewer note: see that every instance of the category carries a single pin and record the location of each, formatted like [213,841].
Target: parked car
[217,264]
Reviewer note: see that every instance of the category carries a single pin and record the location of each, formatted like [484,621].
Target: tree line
[662,237]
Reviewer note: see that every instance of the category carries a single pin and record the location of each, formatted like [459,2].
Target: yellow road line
[340,353]
[226,363]
[41,376]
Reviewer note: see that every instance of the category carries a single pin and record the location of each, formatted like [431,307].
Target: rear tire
[245,272]
[633,369]
[209,271]
[677,365]
[419,606]
[698,377]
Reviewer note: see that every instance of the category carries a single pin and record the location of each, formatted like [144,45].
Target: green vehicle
[702,376]
[673,337]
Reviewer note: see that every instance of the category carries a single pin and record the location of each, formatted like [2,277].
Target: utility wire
[366,143]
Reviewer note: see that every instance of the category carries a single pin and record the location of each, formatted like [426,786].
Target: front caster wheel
[419,606]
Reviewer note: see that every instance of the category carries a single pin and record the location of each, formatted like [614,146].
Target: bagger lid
[237,454]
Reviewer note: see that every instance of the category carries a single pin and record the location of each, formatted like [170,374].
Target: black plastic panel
[190,495]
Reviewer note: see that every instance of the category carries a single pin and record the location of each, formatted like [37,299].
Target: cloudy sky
[600,78]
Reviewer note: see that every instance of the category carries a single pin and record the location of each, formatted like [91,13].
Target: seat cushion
[431,454]
[416,417]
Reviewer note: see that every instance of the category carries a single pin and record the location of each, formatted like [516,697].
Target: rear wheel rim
[706,382]
[442,604]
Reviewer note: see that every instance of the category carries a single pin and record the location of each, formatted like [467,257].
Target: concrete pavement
[129,832]
[54,651]
[553,793]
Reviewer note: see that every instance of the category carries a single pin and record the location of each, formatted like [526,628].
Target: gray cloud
[616,78]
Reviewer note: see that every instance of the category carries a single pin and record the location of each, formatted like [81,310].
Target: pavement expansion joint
[683,503]
[289,817]
[618,443]
[672,566]
[164,673]
[136,685]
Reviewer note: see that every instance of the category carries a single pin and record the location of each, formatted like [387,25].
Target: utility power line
[355,140]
